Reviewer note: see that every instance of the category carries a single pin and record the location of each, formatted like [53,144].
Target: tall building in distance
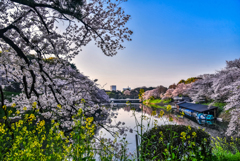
[128,88]
[113,88]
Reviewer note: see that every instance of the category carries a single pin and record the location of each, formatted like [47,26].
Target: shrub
[168,100]
[176,141]
[33,139]
[226,149]
[151,98]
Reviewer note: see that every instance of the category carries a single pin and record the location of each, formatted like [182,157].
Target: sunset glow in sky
[171,40]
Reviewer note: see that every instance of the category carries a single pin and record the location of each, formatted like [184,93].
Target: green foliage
[158,107]
[181,81]
[156,101]
[175,142]
[8,108]
[220,105]
[115,94]
[188,81]
[226,150]
[143,88]
[167,101]
[140,95]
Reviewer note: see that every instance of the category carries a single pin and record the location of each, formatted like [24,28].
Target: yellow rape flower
[4,107]
[194,134]
[89,119]
[4,117]
[59,106]
[169,107]
[161,114]
[182,113]
[13,105]
[17,112]
[160,139]
[10,111]
[42,123]
[183,133]
[83,100]
[154,113]
[20,121]
[91,154]
[161,133]
[80,111]
[25,108]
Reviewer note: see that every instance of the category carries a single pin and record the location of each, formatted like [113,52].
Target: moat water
[126,115]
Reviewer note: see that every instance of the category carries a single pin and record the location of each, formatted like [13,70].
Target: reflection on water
[125,114]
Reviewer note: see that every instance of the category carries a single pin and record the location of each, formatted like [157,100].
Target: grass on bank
[156,101]
[154,106]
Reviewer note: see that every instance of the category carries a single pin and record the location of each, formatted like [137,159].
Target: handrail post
[137,146]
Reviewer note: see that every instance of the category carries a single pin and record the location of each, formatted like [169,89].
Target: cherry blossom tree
[202,88]
[227,88]
[181,89]
[126,92]
[223,86]
[56,90]
[154,92]
[168,94]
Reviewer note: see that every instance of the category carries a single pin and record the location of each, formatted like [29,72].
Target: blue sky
[172,40]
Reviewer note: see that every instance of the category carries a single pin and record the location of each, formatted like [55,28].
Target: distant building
[180,99]
[113,88]
[128,88]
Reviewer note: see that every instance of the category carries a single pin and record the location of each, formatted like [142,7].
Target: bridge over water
[124,100]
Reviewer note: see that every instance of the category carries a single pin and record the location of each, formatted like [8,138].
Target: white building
[128,88]
[113,88]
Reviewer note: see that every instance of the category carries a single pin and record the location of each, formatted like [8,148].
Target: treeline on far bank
[133,94]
